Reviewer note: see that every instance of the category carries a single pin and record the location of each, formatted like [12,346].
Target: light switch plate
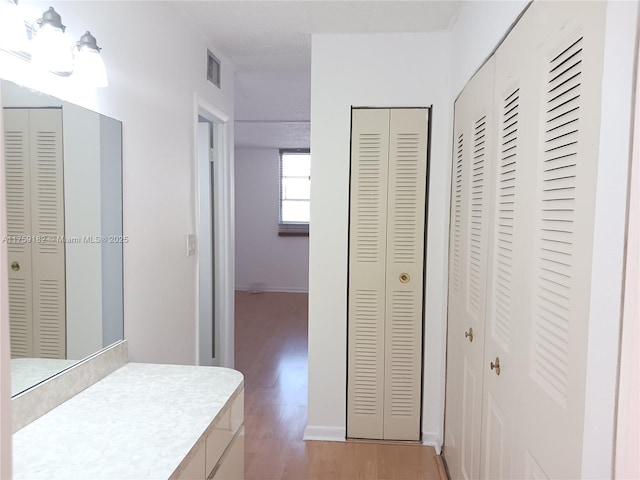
[191,244]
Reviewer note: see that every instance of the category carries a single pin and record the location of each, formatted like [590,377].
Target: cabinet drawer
[232,465]
[221,436]
[217,441]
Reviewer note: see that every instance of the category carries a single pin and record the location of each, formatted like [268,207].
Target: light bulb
[89,68]
[52,48]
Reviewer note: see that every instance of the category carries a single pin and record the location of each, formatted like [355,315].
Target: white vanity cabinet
[220,454]
[141,422]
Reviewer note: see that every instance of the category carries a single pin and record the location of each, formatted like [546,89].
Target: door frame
[223,232]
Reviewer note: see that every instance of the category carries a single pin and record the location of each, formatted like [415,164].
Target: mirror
[63,169]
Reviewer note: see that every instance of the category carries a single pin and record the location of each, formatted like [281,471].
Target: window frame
[290,229]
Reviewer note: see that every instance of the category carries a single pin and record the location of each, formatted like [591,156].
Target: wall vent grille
[213,69]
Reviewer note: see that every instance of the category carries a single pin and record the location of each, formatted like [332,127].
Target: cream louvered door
[471,206]
[18,196]
[551,393]
[36,227]
[540,185]
[510,238]
[404,273]
[386,269]
[367,272]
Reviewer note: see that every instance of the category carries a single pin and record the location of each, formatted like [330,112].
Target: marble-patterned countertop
[27,372]
[138,423]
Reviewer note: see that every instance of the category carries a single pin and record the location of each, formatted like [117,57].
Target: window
[295,185]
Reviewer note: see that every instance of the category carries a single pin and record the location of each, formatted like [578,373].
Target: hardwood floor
[271,351]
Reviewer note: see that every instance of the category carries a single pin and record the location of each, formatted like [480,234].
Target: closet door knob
[469,334]
[404,278]
[15,266]
[495,366]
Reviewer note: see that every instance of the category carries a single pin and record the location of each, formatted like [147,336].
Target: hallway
[271,351]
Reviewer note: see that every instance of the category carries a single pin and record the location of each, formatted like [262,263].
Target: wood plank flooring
[271,351]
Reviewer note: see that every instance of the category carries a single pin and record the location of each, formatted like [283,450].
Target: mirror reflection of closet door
[35,229]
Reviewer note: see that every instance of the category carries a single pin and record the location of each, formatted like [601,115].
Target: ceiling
[274,36]
[269,43]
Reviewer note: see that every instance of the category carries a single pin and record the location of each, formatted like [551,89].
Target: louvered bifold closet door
[469,245]
[404,274]
[18,197]
[47,220]
[515,98]
[367,259]
[569,61]
[35,226]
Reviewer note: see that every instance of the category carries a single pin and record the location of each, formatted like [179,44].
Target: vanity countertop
[139,422]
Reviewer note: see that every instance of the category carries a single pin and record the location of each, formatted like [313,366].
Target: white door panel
[471,207]
[551,396]
[367,267]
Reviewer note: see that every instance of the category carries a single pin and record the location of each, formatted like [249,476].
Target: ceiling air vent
[213,69]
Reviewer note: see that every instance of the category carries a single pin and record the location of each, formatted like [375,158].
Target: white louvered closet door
[404,273]
[18,197]
[471,208]
[386,262]
[35,199]
[551,395]
[367,266]
[515,95]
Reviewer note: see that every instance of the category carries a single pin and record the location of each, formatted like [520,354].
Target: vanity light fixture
[50,47]
[88,64]
[13,34]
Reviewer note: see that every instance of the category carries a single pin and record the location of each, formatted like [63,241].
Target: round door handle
[15,266]
[404,278]
[495,366]
[469,334]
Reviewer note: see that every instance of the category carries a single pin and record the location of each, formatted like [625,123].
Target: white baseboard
[433,440]
[276,289]
[327,434]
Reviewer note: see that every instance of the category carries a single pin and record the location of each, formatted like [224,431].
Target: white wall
[479,28]
[155,68]
[280,263]
[607,270]
[627,461]
[383,70]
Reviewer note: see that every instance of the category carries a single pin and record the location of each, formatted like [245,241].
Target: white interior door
[404,272]
[471,209]
[18,197]
[541,184]
[367,272]
[551,396]
[386,269]
[515,93]
[47,223]
[36,205]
